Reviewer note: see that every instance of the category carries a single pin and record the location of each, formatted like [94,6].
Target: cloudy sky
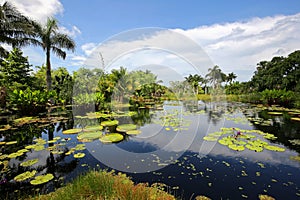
[232,34]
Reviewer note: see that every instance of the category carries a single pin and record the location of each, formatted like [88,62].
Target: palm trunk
[48,70]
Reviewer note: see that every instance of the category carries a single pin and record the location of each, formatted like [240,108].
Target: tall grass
[105,185]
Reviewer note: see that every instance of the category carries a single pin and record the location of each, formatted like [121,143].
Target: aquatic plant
[41,179]
[133,132]
[89,136]
[79,155]
[126,127]
[72,131]
[29,162]
[110,123]
[111,137]
[24,176]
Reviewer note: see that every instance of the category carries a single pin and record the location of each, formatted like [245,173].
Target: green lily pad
[236,147]
[210,138]
[226,141]
[89,136]
[11,142]
[265,197]
[93,128]
[270,136]
[133,132]
[296,158]
[274,148]
[275,113]
[295,142]
[79,155]
[80,147]
[29,162]
[24,176]
[112,137]
[42,179]
[296,119]
[254,148]
[110,123]
[39,147]
[72,131]
[126,127]
[14,155]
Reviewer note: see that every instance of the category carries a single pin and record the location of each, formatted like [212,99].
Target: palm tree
[230,77]
[15,29]
[215,76]
[194,81]
[51,40]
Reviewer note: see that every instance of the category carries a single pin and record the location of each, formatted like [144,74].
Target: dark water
[171,152]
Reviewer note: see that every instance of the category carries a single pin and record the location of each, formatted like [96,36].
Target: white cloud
[239,46]
[38,10]
[235,47]
[72,33]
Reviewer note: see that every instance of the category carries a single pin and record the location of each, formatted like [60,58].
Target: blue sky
[235,34]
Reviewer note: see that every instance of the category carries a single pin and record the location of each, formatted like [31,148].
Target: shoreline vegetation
[107,185]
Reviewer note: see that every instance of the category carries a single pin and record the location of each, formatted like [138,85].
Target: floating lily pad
[225,141]
[133,132]
[72,131]
[93,128]
[24,176]
[296,119]
[39,147]
[29,162]
[265,197]
[126,127]
[254,148]
[2,143]
[112,137]
[14,155]
[42,179]
[275,113]
[210,138]
[110,123]
[79,155]
[89,136]
[11,142]
[296,158]
[80,147]
[270,136]
[274,148]
[295,142]
[236,147]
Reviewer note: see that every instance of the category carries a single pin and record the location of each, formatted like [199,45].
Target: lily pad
[236,147]
[296,119]
[270,136]
[72,131]
[133,132]
[29,162]
[254,148]
[11,142]
[112,137]
[14,155]
[275,113]
[39,147]
[126,127]
[274,148]
[79,155]
[42,179]
[80,147]
[265,197]
[226,141]
[89,136]
[110,123]
[210,138]
[93,128]
[24,176]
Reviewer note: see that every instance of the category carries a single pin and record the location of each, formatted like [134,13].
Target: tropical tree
[15,29]
[195,81]
[51,40]
[215,76]
[231,77]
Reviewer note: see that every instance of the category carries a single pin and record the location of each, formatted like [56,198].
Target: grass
[106,185]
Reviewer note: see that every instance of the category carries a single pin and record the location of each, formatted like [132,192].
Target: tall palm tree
[215,76]
[15,29]
[51,40]
[194,81]
[230,77]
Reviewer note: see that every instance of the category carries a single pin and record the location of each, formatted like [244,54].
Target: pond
[189,146]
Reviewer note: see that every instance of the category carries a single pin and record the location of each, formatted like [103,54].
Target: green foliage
[30,102]
[15,71]
[280,97]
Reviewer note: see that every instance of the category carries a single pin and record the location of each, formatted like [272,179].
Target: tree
[15,71]
[215,76]
[194,81]
[230,77]
[51,40]
[15,29]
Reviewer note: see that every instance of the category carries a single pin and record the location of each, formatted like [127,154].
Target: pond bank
[107,185]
